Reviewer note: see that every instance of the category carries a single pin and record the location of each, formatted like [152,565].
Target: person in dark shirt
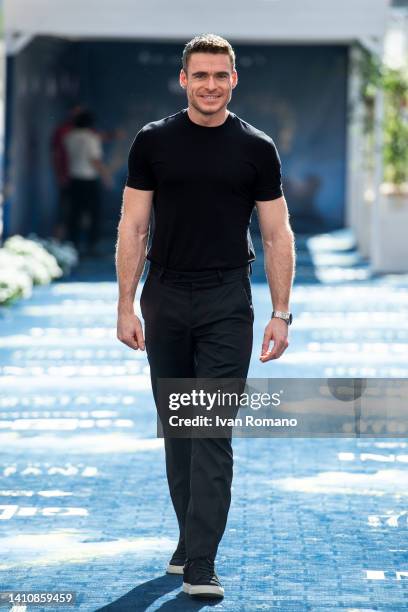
[201,172]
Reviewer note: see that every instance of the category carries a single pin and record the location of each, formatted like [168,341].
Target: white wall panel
[282,21]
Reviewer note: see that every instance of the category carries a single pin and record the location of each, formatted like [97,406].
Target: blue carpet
[315,524]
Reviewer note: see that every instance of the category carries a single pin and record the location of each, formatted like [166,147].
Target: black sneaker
[200,579]
[177,561]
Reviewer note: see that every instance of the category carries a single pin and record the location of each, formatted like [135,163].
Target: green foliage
[375,76]
[395,86]
[371,73]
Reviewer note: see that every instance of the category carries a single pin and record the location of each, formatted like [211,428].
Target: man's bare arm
[279,254]
[133,232]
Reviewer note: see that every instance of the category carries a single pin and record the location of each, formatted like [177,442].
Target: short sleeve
[268,183]
[140,174]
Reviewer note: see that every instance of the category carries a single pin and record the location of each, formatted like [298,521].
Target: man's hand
[129,331]
[277,332]
[130,257]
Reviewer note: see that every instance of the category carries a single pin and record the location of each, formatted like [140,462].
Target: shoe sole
[174,569]
[203,590]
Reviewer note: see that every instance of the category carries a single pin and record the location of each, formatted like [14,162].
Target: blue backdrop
[297,94]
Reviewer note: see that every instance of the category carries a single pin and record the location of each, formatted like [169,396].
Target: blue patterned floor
[315,525]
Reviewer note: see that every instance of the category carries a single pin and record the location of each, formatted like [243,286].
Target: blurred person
[83,145]
[60,166]
[202,169]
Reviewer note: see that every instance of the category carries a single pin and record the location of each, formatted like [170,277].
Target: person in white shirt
[85,169]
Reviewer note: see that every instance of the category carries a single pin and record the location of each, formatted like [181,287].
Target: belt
[219,274]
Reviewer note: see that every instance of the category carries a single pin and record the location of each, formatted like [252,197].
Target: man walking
[202,169]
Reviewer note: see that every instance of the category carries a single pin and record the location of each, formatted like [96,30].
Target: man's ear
[183,79]
[234,79]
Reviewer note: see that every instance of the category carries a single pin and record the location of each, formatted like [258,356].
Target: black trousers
[198,325]
[85,197]
[64,197]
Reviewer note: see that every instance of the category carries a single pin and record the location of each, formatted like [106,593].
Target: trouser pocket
[246,285]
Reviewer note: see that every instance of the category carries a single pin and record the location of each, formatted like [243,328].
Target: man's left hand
[277,332]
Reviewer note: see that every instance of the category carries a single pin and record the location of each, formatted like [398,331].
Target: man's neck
[214,120]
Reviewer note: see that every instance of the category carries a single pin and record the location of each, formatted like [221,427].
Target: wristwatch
[286,316]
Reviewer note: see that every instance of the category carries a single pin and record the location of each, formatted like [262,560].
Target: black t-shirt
[205,182]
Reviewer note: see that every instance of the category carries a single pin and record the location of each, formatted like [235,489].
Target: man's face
[209,81]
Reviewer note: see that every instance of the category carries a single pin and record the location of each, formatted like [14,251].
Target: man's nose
[211,83]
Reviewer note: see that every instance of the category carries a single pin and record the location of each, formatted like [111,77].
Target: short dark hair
[208,43]
[84,119]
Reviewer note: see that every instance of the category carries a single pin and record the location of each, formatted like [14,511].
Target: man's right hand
[130,332]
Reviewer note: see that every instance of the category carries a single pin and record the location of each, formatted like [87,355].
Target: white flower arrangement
[15,281]
[27,262]
[64,252]
[41,265]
